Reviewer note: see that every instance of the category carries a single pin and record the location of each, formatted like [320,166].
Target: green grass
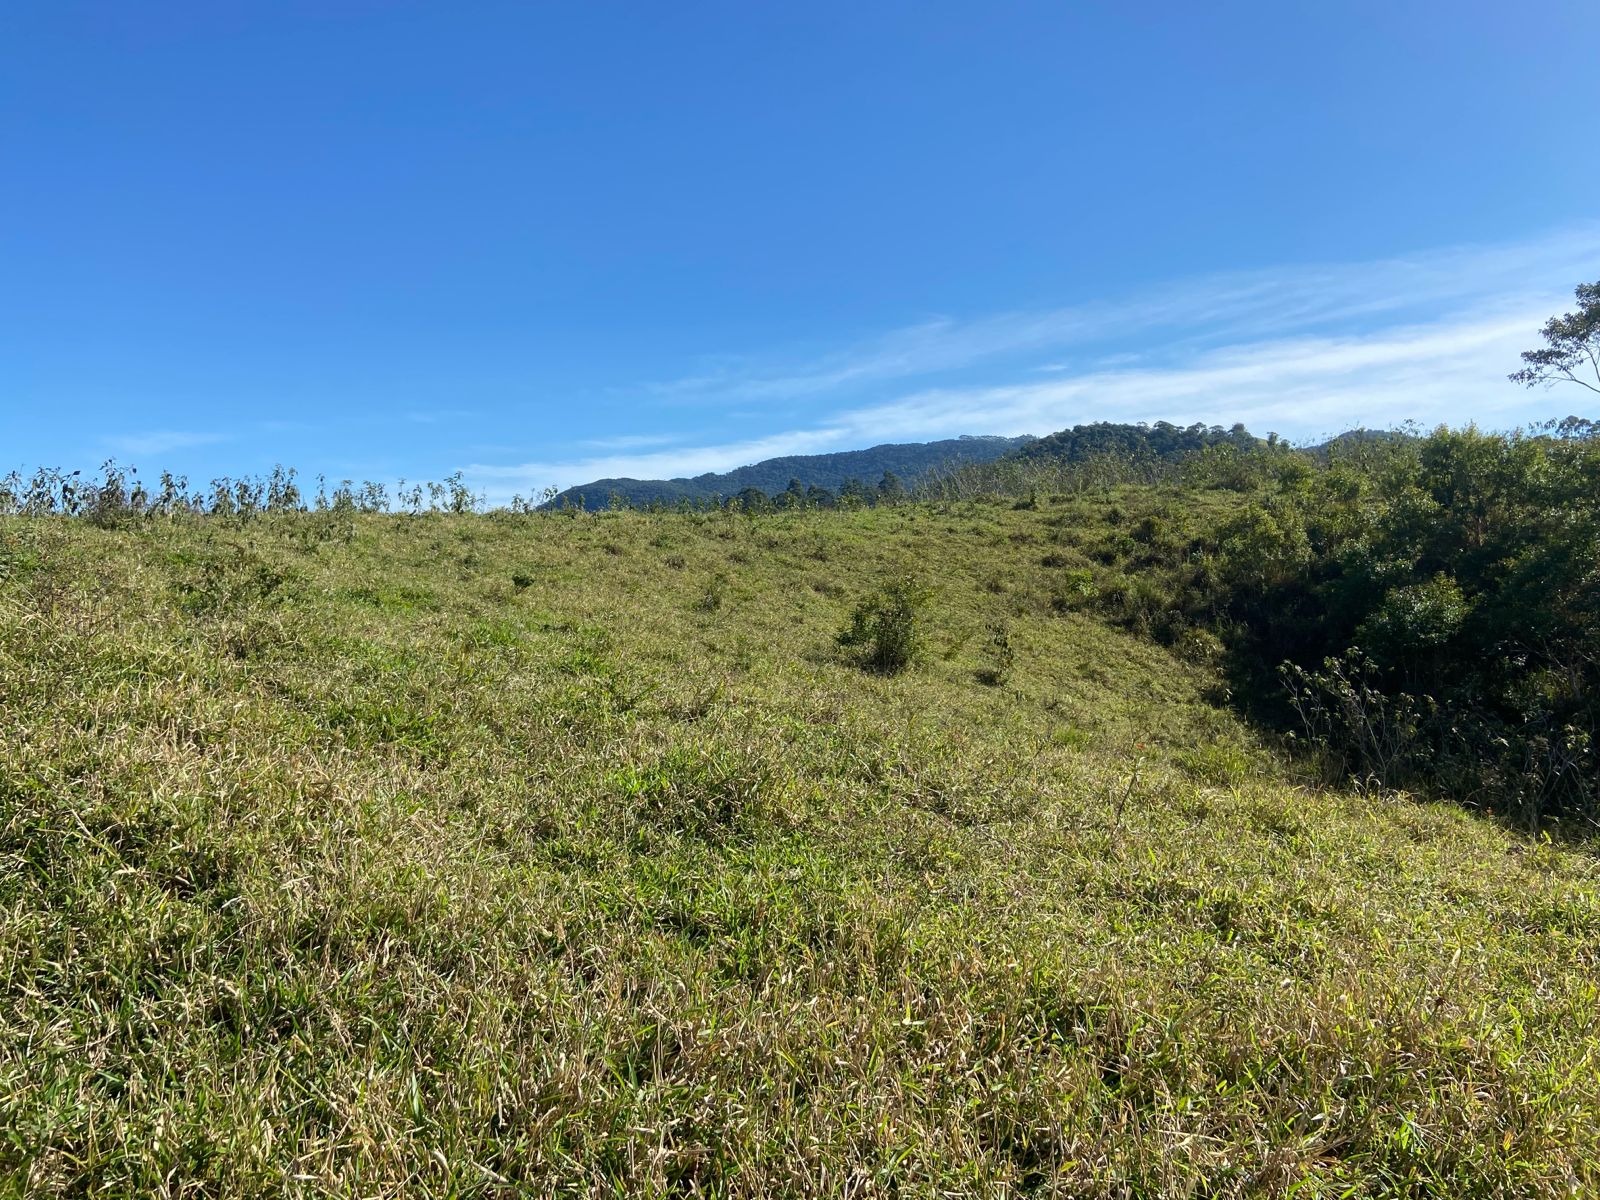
[482,856]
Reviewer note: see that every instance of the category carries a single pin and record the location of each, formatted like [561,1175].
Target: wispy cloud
[439,415]
[1306,351]
[1175,318]
[161,441]
[633,441]
[1302,387]
[529,478]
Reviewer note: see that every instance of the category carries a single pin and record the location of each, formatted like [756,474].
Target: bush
[716,591]
[998,655]
[883,627]
[1462,565]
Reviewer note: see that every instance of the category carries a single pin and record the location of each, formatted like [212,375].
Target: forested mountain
[1160,440]
[830,472]
[825,477]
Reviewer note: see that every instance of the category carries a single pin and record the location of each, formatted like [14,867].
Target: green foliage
[884,627]
[998,655]
[1162,440]
[1090,459]
[1470,580]
[1461,564]
[1571,352]
[1415,618]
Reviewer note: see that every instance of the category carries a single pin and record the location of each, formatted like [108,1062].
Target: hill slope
[830,471]
[496,855]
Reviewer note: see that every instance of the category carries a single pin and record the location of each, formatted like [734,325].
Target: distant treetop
[1572,346]
[1160,440]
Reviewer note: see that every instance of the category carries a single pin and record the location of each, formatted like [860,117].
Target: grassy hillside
[492,856]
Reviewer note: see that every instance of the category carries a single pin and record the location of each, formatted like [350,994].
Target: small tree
[854,494]
[1573,346]
[751,500]
[883,627]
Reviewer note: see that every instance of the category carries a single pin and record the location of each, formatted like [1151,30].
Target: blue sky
[541,243]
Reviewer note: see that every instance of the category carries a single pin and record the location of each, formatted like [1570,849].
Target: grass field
[493,856]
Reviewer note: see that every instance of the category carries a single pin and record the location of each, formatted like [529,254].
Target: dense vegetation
[906,850]
[794,480]
[1440,609]
[1425,609]
[1161,441]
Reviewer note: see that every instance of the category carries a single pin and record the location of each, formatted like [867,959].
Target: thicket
[1091,458]
[1160,440]
[1424,610]
[1435,606]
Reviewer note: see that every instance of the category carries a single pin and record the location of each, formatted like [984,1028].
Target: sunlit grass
[491,856]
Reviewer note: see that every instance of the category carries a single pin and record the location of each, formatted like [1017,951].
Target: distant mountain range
[906,461]
[863,471]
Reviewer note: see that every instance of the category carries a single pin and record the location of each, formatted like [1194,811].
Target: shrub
[229,581]
[716,591]
[1461,564]
[883,627]
[998,655]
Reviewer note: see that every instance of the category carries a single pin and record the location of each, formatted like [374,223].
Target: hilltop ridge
[823,476]
[905,460]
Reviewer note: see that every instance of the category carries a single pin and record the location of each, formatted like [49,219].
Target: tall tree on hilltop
[1572,348]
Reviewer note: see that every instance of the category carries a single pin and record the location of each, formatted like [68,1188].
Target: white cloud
[1300,387]
[528,479]
[161,441]
[633,441]
[1305,352]
[1204,311]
